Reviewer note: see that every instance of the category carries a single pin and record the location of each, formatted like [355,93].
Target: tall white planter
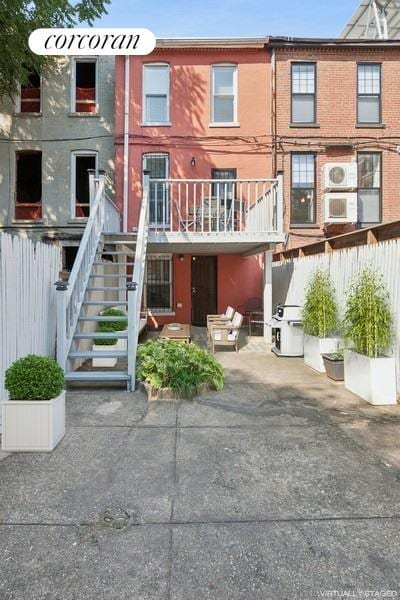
[314,347]
[33,425]
[373,379]
[104,361]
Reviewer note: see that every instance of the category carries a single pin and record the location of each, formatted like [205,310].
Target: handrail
[135,287]
[70,295]
[112,216]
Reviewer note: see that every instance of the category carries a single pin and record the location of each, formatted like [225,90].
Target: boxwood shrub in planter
[368,326]
[172,369]
[34,416]
[320,320]
[103,344]
[121,326]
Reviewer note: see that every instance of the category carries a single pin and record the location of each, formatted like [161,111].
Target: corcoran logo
[91,41]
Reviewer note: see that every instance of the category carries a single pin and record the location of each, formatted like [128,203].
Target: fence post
[61,295]
[279,203]
[132,291]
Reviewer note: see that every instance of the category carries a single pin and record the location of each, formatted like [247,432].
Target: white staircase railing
[112,216]
[135,287]
[70,295]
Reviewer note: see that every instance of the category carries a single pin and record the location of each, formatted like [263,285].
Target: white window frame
[74,154]
[166,310]
[74,61]
[144,167]
[18,100]
[235,122]
[145,121]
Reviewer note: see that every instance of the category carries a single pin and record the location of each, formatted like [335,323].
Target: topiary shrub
[182,367]
[116,325]
[34,378]
[320,312]
[368,321]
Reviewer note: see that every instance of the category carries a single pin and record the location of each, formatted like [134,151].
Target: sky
[224,18]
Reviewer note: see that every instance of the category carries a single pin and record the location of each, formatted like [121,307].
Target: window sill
[160,313]
[27,114]
[84,114]
[304,226]
[78,220]
[305,125]
[370,126]
[156,124]
[224,124]
[27,221]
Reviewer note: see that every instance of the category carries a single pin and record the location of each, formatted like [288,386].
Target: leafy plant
[320,312]
[336,356]
[182,367]
[34,378]
[116,325]
[368,321]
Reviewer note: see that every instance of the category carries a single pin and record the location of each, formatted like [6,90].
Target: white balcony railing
[215,205]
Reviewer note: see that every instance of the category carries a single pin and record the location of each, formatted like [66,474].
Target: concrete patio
[282,486]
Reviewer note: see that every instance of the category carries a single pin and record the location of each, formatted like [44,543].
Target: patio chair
[226,316]
[226,334]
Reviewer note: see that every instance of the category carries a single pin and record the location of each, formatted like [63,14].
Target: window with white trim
[224,94]
[84,86]
[158,283]
[368,93]
[82,161]
[156,94]
[157,164]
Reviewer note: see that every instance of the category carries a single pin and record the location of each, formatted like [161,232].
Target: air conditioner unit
[340,176]
[340,207]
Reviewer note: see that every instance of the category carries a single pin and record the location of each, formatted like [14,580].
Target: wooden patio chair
[226,316]
[226,334]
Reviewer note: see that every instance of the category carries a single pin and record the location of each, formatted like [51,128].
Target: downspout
[273,112]
[125,195]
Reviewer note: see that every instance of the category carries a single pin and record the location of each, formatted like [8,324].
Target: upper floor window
[304,110]
[156,94]
[30,95]
[369,187]
[28,185]
[159,207]
[303,189]
[224,94]
[84,86]
[368,93]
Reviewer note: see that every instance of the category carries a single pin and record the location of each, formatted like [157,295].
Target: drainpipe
[273,112]
[125,194]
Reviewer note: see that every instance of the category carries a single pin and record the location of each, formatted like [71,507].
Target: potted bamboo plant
[34,416]
[320,320]
[368,326]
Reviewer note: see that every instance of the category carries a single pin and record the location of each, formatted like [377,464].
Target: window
[369,187]
[158,283]
[368,93]
[84,86]
[30,94]
[223,189]
[303,93]
[28,188]
[81,162]
[159,208]
[224,94]
[303,189]
[156,94]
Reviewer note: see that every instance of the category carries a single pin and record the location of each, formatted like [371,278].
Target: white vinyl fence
[28,271]
[289,278]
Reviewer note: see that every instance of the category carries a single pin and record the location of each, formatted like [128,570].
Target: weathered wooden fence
[28,271]
[290,277]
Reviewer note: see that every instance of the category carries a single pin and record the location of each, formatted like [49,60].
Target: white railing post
[279,203]
[102,183]
[92,189]
[132,292]
[61,295]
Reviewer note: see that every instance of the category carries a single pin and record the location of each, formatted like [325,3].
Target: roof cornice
[212,43]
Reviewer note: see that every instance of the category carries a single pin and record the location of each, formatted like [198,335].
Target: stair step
[114,253]
[106,289]
[98,354]
[112,264]
[105,303]
[102,318]
[101,335]
[108,276]
[96,376]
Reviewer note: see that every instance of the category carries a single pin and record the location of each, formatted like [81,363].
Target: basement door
[204,288]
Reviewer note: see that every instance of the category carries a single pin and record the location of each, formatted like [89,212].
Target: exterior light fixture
[193,161]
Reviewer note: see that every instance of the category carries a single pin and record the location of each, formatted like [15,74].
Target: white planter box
[33,425]
[373,379]
[122,343]
[104,362]
[314,347]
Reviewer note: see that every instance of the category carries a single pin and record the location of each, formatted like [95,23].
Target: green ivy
[320,311]
[182,367]
[34,378]
[368,321]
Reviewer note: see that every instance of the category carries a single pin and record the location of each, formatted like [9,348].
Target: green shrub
[320,312]
[368,322]
[34,378]
[117,325]
[182,367]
